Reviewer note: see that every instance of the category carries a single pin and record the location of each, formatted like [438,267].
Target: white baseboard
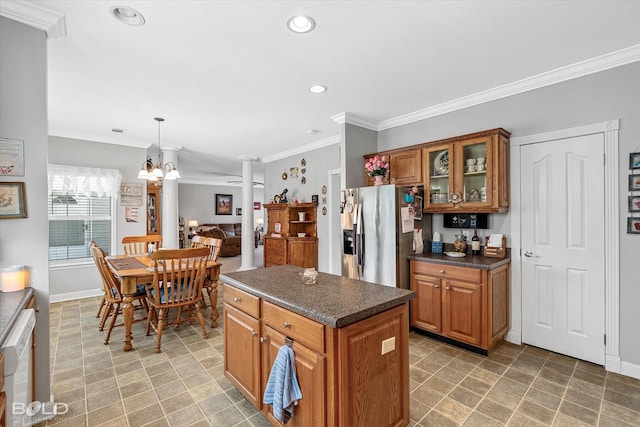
[630,369]
[513,336]
[75,295]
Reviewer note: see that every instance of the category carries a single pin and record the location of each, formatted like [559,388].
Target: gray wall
[198,201]
[67,282]
[591,99]
[319,162]
[23,115]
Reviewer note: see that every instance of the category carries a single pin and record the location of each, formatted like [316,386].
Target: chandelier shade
[156,172]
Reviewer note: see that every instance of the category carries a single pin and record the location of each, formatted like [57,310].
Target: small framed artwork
[634,182]
[256,206]
[633,225]
[224,204]
[634,203]
[417,207]
[12,200]
[634,160]
[239,211]
[11,157]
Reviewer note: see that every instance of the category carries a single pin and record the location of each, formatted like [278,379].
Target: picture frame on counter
[634,203]
[634,160]
[633,225]
[12,200]
[634,182]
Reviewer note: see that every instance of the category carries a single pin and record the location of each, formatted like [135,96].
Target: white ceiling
[231,80]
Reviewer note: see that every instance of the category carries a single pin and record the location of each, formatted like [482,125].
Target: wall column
[170,202]
[248,242]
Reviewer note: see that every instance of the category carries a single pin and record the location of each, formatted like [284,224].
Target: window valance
[83,180]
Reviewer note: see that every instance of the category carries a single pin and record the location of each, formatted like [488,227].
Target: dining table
[135,270]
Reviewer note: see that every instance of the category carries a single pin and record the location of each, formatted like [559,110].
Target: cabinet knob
[236,299]
[447,288]
[436,286]
[287,324]
[253,333]
[263,339]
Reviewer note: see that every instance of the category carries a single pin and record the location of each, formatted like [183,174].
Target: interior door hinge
[605,339]
[604,159]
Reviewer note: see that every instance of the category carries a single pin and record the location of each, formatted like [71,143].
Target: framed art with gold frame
[12,200]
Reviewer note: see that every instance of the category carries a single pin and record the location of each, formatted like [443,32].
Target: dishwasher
[17,370]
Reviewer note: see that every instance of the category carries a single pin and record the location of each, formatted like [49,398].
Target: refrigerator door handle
[360,242]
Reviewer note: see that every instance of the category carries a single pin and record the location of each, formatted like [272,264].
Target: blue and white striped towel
[282,390]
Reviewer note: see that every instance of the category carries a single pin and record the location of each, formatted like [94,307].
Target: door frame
[610,130]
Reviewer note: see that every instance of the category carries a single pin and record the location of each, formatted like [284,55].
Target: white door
[563,289]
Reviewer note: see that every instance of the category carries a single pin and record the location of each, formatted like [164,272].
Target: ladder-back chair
[210,284]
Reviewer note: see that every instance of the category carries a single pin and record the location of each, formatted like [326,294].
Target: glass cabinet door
[437,169]
[475,158]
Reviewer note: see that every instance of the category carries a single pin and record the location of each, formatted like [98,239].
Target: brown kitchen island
[350,340]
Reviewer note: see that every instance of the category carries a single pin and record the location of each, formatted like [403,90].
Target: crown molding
[354,119]
[302,149]
[579,69]
[51,22]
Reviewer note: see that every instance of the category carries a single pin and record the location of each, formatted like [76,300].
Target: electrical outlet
[388,345]
[466,234]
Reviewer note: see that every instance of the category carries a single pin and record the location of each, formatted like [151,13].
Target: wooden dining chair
[210,284]
[178,275]
[136,245]
[113,292]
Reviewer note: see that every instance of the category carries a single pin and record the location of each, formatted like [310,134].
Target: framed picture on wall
[634,203]
[633,225]
[12,200]
[224,204]
[239,211]
[634,182]
[634,160]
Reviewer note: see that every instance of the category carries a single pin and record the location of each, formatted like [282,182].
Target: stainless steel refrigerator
[374,246]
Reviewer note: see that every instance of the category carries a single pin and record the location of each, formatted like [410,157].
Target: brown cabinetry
[283,243]
[340,370]
[468,173]
[154,209]
[406,167]
[465,304]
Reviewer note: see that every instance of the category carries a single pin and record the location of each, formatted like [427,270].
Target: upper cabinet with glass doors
[468,173]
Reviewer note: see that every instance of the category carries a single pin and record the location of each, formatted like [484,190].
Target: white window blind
[81,206]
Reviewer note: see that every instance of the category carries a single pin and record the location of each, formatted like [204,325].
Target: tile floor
[185,385]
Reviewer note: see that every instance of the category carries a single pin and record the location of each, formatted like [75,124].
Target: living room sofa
[231,235]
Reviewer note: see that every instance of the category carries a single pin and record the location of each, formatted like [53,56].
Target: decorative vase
[460,244]
[378,180]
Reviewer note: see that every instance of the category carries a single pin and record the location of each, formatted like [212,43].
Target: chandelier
[156,172]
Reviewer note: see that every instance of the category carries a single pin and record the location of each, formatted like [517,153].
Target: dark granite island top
[334,301]
[11,304]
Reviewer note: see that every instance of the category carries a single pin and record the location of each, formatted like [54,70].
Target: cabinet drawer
[473,275]
[242,300]
[296,327]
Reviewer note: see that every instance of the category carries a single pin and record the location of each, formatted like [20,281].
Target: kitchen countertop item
[473,261]
[334,301]
[11,304]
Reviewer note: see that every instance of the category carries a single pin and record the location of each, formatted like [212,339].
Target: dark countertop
[472,261]
[11,303]
[335,301]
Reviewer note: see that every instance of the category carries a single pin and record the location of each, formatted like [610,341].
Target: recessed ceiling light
[301,24]
[317,89]
[127,15]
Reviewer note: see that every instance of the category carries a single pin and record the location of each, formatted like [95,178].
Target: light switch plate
[388,345]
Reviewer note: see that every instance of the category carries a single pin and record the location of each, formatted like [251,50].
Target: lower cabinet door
[311,374]
[303,252]
[242,353]
[462,311]
[426,307]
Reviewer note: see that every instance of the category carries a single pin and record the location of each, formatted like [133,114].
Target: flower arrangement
[377,166]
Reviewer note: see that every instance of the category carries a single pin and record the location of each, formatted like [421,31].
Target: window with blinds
[81,206]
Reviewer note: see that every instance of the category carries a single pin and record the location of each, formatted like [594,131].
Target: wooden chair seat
[210,285]
[178,275]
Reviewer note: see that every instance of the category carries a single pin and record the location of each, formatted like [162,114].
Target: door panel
[563,246]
